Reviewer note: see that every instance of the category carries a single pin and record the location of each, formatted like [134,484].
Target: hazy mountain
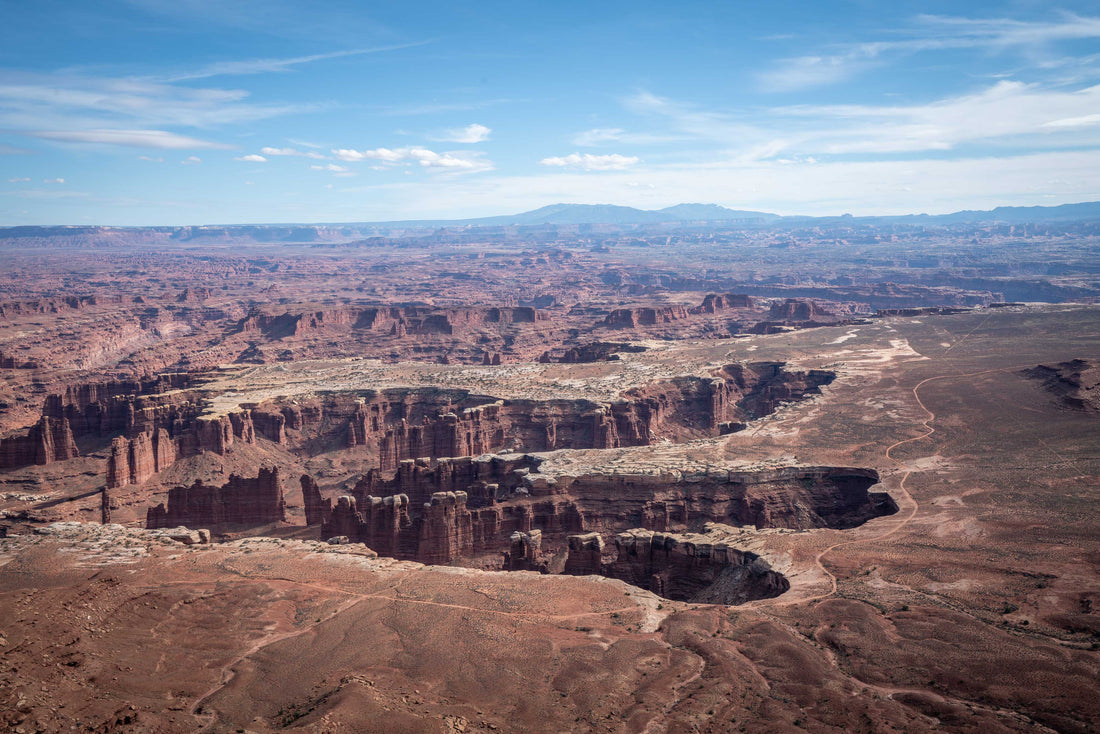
[553,215]
[715,213]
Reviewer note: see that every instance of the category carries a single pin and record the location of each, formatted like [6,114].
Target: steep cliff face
[796,313]
[45,442]
[585,555]
[135,460]
[525,552]
[128,406]
[632,318]
[642,316]
[796,497]
[240,501]
[1075,383]
[468,509]
[318,510]
[718,302]
[393,320]
[402,424]
[693,568]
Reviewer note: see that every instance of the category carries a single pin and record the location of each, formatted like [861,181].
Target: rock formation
[473,509]
[585,555]
[525,552]
[45,442]
[135,460]
[240,501]
[693,568]
[318,510]
[1076,383]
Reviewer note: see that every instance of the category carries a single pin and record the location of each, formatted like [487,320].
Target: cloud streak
[266,66]
[926,33]
[467,135]
[589,162]
[455,161]
[160,139]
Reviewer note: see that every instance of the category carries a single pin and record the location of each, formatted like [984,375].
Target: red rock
[241,501]
[45,442]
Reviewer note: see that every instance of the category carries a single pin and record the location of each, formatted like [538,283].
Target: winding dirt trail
[908,503]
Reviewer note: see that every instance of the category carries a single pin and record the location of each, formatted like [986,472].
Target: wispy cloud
[1007,114]
[464,161]
[616,135]
[804,72]
[468,135]
[131,138]
[130,111]
[53,180]
[926,33]
[251,158]
[330,167]
[589,162]
[266,66]
[292,152]
[18,180]
[437,108]
[192,160]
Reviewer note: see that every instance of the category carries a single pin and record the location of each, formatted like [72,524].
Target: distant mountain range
[625,215]
[611,214]
[554,215]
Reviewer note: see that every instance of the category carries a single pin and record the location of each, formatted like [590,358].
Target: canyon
[588,479]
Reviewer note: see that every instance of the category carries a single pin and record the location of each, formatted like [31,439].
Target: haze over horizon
[143,112]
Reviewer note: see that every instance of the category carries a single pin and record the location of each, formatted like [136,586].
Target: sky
[155,112]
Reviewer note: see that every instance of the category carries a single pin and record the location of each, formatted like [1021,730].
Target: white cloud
[805,72]
[1008,113]
[454,161]
[18,180]
[330,167]
[73,104]
[150,159]
[604,135]
[53,180]
[379,154]
[1083,121]
[795,187]
[161,139]
[251,158]
[589,162]
[192,160]
[292,151]
[467,135]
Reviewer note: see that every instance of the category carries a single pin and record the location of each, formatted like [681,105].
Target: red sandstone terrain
[631,499]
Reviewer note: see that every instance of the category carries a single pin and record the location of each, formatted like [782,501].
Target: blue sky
[196,111]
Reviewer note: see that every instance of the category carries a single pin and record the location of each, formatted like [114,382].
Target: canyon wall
[691,568]
[240,501]
[45,442]
[457,509]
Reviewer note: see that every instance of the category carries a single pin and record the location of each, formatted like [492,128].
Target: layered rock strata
[240,501]
[689,567]
[461,509]
[1075,383]
[45,442]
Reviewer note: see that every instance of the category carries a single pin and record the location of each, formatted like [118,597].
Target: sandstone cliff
[240,501]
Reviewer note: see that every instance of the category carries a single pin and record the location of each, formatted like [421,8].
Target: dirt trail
[907,502]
